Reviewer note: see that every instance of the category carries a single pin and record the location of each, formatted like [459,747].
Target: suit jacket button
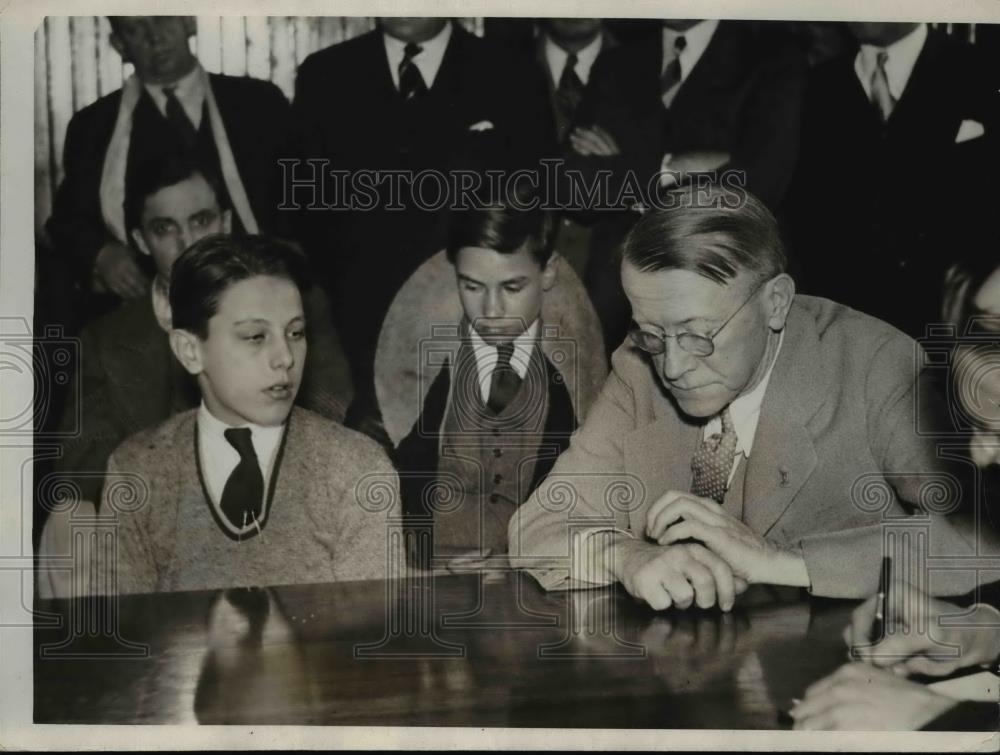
[497,479]
[494,498]
[498,452]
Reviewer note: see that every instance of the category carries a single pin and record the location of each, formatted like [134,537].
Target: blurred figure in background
[567,49]
[424,95]
[702,95]
[891,183]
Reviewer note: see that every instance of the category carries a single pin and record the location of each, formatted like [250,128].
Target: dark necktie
[570,90]
[713,461]
[243,496]
[505,382]
[411,83]
[178,119]
[253,605]
[671,75]
[881,96]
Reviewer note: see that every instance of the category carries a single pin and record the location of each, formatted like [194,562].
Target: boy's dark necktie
[671,75]
[570,89]
[178,119]
[505,382]
[243,496]
[411,83]
[713,461]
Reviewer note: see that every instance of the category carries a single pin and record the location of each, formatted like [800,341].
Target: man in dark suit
[417,94]
[128,378]
[891,181]
[763,436]
[566,49]
[235,126]
[701,96]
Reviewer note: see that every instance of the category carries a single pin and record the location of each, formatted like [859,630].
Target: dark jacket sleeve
[92,428]
[76,227]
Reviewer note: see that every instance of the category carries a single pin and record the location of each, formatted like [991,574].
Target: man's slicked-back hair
[710,231]
[116,24]
[159,172]
[504,226]
[211,265]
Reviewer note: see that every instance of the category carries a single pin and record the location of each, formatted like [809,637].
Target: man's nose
[675,362]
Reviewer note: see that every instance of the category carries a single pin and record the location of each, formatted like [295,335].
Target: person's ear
[119,47]
[779,293]
[227,222]
[550,272]
[187,348]
[140,242]
[956,289]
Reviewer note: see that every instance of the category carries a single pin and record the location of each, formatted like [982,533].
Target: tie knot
[412,50]
[571,61]
[504,353]
[241,439]
[881,58]
[680,43]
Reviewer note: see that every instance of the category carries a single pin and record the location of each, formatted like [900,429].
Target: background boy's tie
[505,382]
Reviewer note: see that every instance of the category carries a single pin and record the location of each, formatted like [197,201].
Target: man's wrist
[789,568]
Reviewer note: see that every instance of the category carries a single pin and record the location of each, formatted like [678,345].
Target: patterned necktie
[570,90]
[881,96]
[671,75]
[713,461]
[178,119]
[505,382]
[243,496]
[411,83]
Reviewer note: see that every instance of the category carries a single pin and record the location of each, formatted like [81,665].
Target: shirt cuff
[587,556]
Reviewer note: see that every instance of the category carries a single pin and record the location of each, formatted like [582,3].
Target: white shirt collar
[556,56]
[428,60]
[486,356]
[218,457]
[190,91]
[696,38]
[745,410]
[903,54]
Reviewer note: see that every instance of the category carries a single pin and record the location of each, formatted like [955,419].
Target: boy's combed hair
[210,266]
[709,232]
[504,227]
[159,172]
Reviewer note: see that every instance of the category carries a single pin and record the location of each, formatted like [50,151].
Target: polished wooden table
[451,650]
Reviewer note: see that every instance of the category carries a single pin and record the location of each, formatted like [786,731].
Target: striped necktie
[881,96]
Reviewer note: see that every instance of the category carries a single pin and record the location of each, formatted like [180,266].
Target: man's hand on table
[676,575]
[679,516]
[857,697]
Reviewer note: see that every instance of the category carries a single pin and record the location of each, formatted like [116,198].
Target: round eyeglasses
[692,343]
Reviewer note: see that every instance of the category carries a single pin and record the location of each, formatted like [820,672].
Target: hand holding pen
[918,634]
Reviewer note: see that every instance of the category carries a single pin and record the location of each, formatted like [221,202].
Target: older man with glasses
[746,434]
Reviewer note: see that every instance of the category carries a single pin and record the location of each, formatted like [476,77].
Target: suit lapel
[783,455]
[659,453]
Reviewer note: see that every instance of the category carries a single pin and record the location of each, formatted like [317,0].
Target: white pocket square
[969,130]
[481,126]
